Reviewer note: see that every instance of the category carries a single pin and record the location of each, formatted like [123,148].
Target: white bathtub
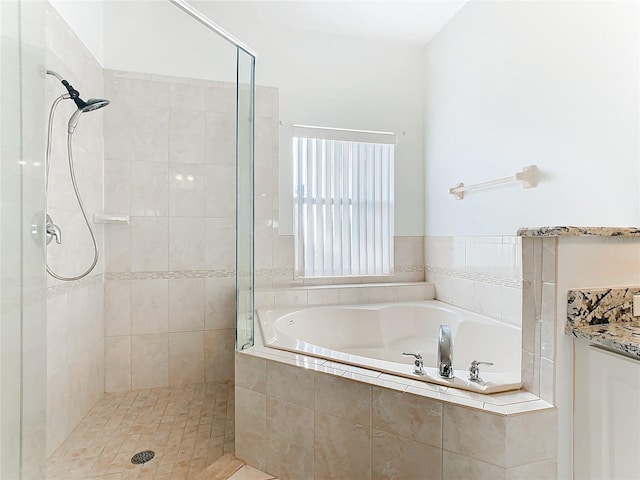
[373,336]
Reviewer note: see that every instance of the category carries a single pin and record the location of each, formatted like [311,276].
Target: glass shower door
[22,274]
[244,199]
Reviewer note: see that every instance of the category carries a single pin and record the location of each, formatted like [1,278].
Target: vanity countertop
[621,336]
[567,231]
[605,316]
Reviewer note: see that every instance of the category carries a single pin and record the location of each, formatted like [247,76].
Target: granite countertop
[605,316]
[562,231]
[623,337]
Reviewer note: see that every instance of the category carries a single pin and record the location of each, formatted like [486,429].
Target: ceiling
[404,22]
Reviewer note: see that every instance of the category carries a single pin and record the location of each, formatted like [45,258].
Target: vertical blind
[343,202]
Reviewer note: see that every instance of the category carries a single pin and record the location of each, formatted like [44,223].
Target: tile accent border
[169,275]
[600,305]
[562,231]
[63,288]
[476,277]
[288,272]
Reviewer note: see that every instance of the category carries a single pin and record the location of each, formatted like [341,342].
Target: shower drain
[142,457]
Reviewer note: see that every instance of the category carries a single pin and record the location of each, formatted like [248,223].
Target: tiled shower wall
[170,286]
[482,274]
[75,332]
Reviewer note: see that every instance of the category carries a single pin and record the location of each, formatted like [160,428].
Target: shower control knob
[53,230]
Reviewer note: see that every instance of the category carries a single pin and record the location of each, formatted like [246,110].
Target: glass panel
[244,199]
[22,273]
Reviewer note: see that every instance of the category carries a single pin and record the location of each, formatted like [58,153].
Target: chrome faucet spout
[445,352]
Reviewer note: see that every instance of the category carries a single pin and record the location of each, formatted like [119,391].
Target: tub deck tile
[376,381]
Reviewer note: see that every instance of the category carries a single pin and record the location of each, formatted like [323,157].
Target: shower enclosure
[23,203]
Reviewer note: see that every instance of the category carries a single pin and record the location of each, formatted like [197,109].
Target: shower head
[94,104]
[88,106]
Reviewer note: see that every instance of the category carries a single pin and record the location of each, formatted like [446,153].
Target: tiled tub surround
[605,316]
[482,274]
[355,294]
[75,323]
[170,288]
[360,424]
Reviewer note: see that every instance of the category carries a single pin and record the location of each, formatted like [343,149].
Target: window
[343,202]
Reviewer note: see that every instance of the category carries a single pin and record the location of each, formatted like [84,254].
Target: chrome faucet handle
[474,371]
[52,231]
[418,368]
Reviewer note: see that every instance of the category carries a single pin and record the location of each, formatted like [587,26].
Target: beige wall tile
[251,427]
[547,469]
[149,189]
[251,372]
[117,307]
[186,243]
[150,126]
[186,304]
[220,137]
[220,303]
[460,467]
[290,428]
[149,361]
[57,333]
[149,306]
[186,190]
[343,398]
[186,132]
[117,248]
[290,297]
[323,297]
[57,427]
[220,243]
[149,243]
[549,259]
[548,321]
[475,434]
[186,358]
[187,96]
[512,305]
[398,458]
[289,383]
[117,375]
[221,191]
[408,416]
[531,437]
[219,353]
[117,187]
[342,448]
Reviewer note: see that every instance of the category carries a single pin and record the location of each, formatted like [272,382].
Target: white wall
[323,79]
[86,19]
[555,84]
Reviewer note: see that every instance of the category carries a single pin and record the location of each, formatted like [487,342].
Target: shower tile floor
[188,428]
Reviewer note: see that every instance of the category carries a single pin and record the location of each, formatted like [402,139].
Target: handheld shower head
[89,106]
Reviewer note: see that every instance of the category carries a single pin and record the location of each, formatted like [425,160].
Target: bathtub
[373,336]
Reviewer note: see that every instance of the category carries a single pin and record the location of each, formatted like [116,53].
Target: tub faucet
[445,352]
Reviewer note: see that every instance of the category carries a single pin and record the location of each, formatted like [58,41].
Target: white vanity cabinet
[606,414]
